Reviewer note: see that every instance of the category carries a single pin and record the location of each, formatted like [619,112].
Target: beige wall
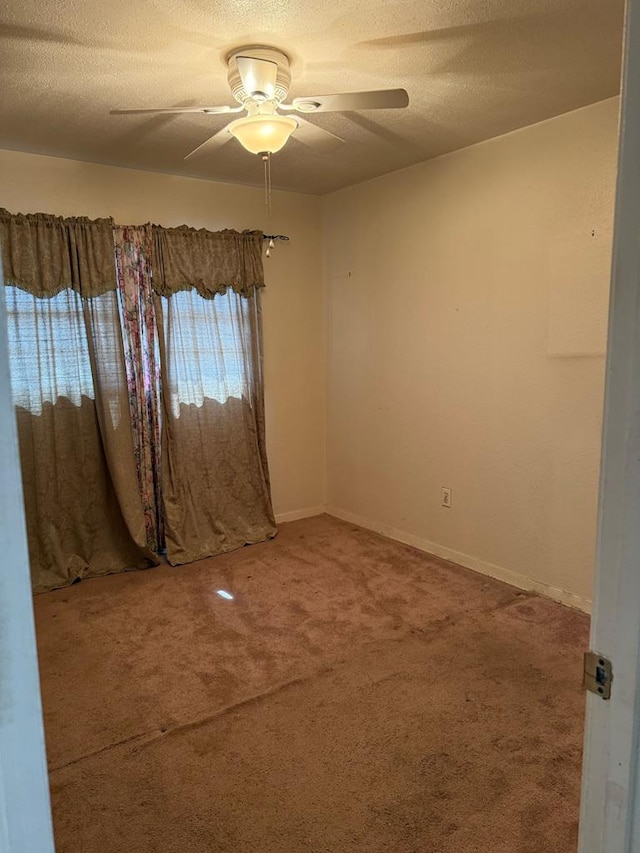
[465,305]
[292,303]
[467,317]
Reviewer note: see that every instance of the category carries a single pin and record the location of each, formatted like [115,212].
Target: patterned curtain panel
[133,247]
[66,359]
[215,479]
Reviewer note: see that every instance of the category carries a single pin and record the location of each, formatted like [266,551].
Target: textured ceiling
[473,69]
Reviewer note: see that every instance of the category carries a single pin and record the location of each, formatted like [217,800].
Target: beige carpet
[356,695]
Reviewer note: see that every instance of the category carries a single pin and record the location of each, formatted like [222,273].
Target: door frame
[610,807]
[25,812]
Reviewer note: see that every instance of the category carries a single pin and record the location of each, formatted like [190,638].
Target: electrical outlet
[446,497]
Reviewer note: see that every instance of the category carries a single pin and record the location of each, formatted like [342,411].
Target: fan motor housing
[283,80]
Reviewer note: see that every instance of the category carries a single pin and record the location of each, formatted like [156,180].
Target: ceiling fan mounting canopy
[267,79]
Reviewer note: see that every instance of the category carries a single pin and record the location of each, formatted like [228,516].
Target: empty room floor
[355,695]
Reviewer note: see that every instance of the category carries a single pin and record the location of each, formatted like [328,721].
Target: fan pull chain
[269,164]
[266,159]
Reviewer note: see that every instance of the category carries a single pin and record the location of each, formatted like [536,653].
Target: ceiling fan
[259,78]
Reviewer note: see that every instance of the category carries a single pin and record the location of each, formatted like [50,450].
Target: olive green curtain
[215,477]
[207,261]
[45,254]
[83,509]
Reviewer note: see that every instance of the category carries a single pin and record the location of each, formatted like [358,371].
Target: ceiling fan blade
[316,137]
[258,76]
[384,99]
[205,110]
[216,141]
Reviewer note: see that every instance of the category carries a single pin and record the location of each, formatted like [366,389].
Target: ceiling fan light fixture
[263,134]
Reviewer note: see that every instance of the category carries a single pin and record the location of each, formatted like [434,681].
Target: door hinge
[598,674]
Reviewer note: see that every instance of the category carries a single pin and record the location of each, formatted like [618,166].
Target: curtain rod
[264,236]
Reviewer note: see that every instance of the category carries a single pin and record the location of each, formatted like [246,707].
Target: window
[48,350]
[205,344]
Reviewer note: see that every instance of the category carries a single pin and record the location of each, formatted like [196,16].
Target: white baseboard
[296,514]
[498,572]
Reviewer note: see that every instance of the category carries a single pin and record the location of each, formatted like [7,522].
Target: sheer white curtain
[49,352]
[206,339]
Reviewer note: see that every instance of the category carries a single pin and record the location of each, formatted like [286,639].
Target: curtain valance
[207,261]
[45,254]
